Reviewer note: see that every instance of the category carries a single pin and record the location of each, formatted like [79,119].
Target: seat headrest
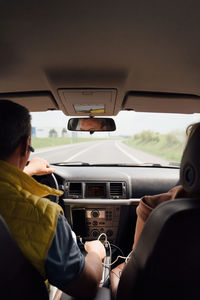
[190,164]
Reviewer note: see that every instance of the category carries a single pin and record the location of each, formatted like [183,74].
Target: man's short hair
[15,125]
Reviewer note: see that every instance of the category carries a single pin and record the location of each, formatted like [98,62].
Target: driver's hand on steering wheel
[38,166]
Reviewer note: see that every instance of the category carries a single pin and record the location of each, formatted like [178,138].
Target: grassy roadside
[58,141]
[166,146]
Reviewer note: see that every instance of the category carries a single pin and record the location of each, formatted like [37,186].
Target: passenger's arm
[87,283]
[38,166]
[148,203]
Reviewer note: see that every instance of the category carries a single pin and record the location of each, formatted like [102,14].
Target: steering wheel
[52,182]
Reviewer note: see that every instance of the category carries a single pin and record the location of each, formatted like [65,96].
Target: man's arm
[66,266]
[38,166]
[87,283]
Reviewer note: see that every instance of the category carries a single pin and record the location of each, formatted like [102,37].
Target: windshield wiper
[81,163]
[150,165]
[71,163]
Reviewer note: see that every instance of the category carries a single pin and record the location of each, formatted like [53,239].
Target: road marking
[50,149]
[83,151]
[128,154]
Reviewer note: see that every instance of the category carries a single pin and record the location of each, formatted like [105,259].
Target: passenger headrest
[190,164]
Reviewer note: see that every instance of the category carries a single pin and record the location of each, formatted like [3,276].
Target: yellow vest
[31,219]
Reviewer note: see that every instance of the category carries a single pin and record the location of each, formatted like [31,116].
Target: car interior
[97,60]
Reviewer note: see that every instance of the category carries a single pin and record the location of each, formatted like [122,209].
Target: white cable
[119,256]
[106,242]
[103,234]
[128,257]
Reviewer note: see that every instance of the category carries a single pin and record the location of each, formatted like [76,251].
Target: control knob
[95,233]
[95,213]
[109,233]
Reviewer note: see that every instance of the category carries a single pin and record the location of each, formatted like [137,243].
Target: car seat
[166,262]
[18,278]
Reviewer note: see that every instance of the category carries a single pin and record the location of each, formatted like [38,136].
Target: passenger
[37,224]
[148,203]
[144,209]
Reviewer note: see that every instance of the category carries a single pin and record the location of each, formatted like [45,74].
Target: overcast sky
[127,122]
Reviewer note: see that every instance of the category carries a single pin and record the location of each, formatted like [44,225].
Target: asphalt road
[97,152]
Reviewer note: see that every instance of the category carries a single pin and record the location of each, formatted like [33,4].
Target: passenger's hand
[97,247]
[38,166]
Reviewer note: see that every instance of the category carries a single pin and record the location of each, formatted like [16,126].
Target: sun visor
[97,102]
[33,101]
[162,102]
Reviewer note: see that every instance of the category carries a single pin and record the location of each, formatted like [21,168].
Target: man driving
[37,224]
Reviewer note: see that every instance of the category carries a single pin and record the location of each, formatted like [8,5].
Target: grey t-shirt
[64,262]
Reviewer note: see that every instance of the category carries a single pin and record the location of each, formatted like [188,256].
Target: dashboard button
[95,233]
[95,213]
[109,232]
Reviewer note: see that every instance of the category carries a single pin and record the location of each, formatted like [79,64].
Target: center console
[90,222]
[90,217]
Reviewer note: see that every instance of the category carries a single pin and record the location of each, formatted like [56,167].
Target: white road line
[50,149]
[128,154]
[83,151]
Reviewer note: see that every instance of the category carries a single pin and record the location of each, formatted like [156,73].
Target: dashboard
[104,199]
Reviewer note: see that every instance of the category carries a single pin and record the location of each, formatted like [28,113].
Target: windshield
[140,138]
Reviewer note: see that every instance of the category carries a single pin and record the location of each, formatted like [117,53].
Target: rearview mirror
[91,124]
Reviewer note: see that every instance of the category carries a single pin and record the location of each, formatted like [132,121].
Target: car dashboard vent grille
[117,190]
[75,189]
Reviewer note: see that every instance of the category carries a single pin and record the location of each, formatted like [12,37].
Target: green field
[167,146]
[57,141]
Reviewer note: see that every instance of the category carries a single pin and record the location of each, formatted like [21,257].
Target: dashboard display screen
[96,190]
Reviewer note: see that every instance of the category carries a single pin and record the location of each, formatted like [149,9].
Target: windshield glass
[140,138]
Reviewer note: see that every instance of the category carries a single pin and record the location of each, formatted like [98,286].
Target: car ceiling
[126,46]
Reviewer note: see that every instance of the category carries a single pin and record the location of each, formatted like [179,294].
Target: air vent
[117,190]
[75,190]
